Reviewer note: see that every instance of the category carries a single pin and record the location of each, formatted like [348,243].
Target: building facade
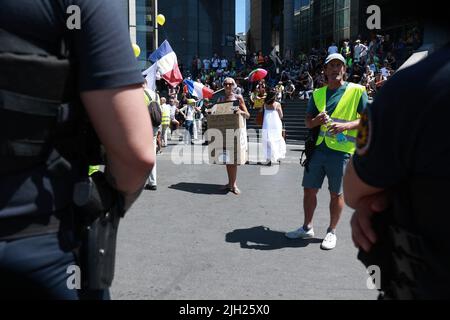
[144,26]
[193,27]
[248,15]
[199,27]
[266,25]
[140,15]
[299,25]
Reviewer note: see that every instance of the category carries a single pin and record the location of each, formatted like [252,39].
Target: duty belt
[23,227]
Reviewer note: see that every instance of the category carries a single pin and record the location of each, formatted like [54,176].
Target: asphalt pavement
[190,241]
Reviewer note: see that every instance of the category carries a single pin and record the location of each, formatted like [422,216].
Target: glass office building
[145,29]
[318,23]
[330,22]
[267,25]
[193,27]
[302,25]
[198,27]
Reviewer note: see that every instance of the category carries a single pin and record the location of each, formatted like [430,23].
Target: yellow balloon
[137,50]
[161,19]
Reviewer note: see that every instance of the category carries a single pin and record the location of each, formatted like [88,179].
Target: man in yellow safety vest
[336,108]
[165,122]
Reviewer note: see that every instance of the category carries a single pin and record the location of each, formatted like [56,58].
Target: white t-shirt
[385,72]
[173,110]
[363,51]
[332,49]
[215,63]
[290,88]
[224,63]
[207,63]
[239,91]
[360,51]
[189,112]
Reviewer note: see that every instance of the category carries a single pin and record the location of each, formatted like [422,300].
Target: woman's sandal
[236,191]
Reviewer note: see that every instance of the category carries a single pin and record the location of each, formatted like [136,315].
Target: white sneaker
[300,234]
[329,243]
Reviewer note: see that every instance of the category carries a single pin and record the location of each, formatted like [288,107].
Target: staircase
[294,122]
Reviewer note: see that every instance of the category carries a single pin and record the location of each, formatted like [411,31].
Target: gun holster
[99,210]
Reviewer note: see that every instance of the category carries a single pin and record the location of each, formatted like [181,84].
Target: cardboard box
[224,108]
[227,136]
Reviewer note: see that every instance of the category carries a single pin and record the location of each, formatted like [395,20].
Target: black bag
[310,146]
[155,111]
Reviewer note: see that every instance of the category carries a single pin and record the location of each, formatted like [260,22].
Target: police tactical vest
[44,136]
[346,111]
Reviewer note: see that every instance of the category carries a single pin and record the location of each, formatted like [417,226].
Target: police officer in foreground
[399,182]
[55,85]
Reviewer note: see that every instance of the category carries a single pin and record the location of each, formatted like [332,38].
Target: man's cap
[335,56]
[358,41]
[191,101]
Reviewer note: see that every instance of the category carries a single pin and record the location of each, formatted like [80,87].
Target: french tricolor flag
[198,90]
[167,64]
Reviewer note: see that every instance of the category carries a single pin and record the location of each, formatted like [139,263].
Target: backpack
[310,146]
[155,111]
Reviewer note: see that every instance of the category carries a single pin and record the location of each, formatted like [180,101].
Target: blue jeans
[37,268]
[189,125]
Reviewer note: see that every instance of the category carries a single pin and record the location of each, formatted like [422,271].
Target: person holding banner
[229,85]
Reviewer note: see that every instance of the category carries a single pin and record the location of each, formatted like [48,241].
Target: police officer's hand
[363,234]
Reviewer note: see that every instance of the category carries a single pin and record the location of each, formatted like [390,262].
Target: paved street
[189,240]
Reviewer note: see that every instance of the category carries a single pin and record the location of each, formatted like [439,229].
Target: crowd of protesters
[370,62]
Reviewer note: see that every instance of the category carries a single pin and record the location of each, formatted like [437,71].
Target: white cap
[335,56]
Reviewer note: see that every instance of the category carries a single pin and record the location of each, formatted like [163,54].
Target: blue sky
[240,16]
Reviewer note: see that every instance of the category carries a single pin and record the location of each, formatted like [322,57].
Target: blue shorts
[327,163]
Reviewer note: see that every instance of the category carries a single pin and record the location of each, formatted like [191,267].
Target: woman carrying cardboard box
[229,85]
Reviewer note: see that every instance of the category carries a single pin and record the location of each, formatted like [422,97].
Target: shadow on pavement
[262,238]
[199,188]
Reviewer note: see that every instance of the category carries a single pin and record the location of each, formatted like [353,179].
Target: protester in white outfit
[274,146]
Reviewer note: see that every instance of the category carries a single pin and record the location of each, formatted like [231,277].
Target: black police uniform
[404,147]
[36,230]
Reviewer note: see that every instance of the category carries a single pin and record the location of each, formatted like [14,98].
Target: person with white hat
[188,112]
[334,112]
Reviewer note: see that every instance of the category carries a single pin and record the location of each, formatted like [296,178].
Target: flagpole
[216,92]
[156,24]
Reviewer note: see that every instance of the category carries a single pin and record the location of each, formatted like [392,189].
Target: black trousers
[41,267]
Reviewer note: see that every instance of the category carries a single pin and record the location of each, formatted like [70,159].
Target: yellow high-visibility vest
[258,101]
[165,120]
[93,169]
[346,111]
